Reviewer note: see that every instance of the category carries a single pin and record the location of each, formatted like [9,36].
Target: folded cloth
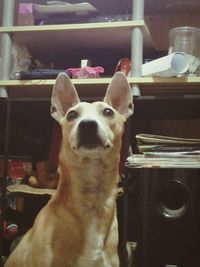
[86,72]
[26,189]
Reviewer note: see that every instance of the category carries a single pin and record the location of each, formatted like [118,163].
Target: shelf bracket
[137,44]
[6,43]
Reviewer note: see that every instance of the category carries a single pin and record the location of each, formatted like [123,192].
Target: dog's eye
[72,115]
[107,112]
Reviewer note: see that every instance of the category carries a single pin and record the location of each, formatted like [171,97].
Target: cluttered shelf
[91,35]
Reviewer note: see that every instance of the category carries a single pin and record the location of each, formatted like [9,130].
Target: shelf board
[97,87]
[168,86]
[172,81]
[97,35]
[77,26]
[153,81]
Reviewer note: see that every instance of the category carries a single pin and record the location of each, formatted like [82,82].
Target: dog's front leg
[111,246]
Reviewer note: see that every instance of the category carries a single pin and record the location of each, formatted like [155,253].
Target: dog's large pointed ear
[64,96]
[119,95]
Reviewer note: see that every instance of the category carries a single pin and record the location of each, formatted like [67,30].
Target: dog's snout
[88,125]
[88,134]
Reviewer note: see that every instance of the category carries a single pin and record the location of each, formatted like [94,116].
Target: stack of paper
[159,145]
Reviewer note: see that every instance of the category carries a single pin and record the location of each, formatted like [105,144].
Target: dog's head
[90,129]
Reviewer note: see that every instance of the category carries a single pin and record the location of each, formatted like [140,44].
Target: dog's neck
[89,183]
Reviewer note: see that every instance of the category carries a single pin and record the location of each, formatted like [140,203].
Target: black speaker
[169,214]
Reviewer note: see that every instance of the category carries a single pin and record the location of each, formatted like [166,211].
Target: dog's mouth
[89,141]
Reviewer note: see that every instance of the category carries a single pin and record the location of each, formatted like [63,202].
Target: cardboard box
[25,14]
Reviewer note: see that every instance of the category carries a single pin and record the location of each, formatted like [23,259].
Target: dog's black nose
[88,134]
[88,126]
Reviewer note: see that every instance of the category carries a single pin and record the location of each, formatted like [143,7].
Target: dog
[78,226]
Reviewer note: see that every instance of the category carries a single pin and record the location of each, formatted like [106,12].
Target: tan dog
[78,226]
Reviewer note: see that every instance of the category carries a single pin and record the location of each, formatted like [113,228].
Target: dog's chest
[93,253]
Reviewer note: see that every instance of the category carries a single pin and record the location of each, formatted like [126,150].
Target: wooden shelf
[77,26]
[172,81]
[187,81]
[116,35]
[96,87]
[168,86]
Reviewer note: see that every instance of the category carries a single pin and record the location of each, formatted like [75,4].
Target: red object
[17,169]
[124,65]
[12,229]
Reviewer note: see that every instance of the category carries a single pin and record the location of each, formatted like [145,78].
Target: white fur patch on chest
[93,254]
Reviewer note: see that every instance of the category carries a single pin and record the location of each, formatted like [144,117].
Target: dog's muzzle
[88,136]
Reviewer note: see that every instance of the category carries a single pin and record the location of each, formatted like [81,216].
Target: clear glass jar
[185,39]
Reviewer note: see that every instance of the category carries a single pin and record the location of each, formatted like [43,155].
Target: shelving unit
[100,35]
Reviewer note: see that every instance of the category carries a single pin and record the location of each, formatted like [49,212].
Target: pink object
[25,8]
[86,72]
